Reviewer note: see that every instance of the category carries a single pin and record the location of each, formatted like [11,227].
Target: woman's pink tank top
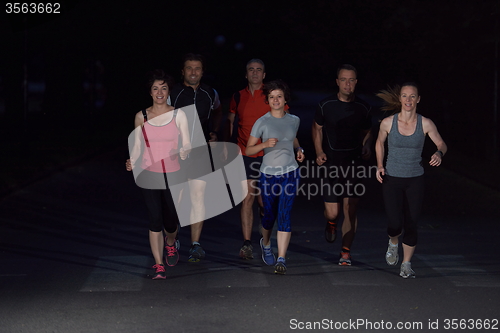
[161,147]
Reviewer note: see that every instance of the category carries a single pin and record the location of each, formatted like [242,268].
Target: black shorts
[252,166]
[198,163]
[342,179]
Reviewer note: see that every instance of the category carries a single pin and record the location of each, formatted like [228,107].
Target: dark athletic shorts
[252,166]
[342,181]
[198,163]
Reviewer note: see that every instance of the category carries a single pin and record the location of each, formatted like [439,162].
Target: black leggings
[403,199]
[161,208]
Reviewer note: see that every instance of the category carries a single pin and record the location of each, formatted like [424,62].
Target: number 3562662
[32,8]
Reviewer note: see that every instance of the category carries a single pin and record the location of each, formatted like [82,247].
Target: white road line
[362,275]
[237,278]
[461,272]
[121,273]
[356,276]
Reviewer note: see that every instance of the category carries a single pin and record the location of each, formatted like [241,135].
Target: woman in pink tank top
[154,154]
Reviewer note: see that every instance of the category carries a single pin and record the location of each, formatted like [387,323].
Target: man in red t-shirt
[249,104]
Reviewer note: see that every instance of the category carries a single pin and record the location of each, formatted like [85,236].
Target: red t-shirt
[249,109]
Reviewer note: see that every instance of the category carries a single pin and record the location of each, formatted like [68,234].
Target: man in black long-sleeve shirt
[208,111]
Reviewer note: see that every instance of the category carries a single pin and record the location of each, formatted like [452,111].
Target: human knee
[248,200]
[155,220]
[197,196]
[285,227]
[267,226]
[350,206]
[155,227]
[171,229]
[394,232]
[331,214]
[410,238]
[267,222]
[331,217]
[331,211]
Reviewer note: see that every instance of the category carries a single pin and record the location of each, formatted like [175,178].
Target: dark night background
[448,47]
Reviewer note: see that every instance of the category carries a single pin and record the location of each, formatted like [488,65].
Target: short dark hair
[194,57]
[347,67]
[160,75]
[257,61]
[275,85]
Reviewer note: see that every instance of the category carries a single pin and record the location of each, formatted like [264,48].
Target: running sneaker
[177,243]
[330,231]
[345,258]
[172,256]
[391,256]
[246,250]
[159,272]
[196,253]
[406,271]
[267,253]
[280,267]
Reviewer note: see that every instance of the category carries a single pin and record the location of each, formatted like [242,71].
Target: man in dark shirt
[208,111]
[341,135]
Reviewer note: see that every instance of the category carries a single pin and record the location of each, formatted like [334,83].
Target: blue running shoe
[267,254]
[196,253]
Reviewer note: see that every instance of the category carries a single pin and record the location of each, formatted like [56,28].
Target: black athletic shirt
[342,123]
[205,98]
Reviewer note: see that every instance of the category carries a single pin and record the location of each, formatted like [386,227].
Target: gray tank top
[404,158]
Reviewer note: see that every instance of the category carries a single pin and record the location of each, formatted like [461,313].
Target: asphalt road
[74,257]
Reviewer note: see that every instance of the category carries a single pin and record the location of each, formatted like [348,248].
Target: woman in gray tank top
[402,177]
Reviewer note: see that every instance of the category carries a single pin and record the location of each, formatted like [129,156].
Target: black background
[448,47]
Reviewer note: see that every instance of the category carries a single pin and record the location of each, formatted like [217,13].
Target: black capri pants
[403,198]
[160,205]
